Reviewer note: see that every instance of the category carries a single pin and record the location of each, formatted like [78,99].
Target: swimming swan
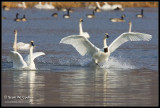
[48,6]
[23,5]
[84,46]
[85,34]
[39,6]
[19,45]
[27,62]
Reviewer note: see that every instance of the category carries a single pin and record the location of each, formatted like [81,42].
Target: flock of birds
[96,8]
[79,41]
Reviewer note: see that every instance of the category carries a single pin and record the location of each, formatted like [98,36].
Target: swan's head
[80,20]
[32,43]
[15,31]
[106,36]
[130,23]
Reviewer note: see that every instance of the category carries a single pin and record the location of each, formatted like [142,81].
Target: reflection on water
[90,86]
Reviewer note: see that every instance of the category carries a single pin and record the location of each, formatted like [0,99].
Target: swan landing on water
[27,62]
[84,46]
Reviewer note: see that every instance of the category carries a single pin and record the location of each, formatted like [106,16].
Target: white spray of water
[85,61]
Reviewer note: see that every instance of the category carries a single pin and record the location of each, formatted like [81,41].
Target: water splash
[85,61]
[118,63]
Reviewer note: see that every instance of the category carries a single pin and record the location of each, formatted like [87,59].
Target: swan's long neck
[80,28]
[15,42]
[24,5]
[31,54]
[98,5]
[130,27]
[105,45]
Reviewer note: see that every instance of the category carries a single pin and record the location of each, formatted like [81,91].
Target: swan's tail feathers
[128,36]
[35,55]
[17,60]
[81,44]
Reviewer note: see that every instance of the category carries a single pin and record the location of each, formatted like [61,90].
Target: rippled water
[64,77]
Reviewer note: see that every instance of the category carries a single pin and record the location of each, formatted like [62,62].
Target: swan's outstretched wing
[128,36]
[86,35]
[35,55]
[81,44]
[23,46]
[17,60]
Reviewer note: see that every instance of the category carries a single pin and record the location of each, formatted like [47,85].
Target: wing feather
[128,36]
[35,55]
[81,44]
[17,60]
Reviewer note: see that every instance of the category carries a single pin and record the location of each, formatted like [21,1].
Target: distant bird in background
[140,15]
[55,15]
[118,19]
[91,15]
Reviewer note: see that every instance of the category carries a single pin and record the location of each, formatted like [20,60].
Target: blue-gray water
[63,77]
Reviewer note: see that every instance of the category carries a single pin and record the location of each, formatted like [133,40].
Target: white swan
[39,6]
[28,62]
[85,34]
[23,5]
[106,6]
[84,46]
[48,6]
[19,45]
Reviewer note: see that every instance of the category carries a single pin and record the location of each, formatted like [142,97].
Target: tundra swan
[27,62]
[19,45]
[48,6]
[106,6]
[84,46]
[23,5]
[85,34]
[39,6]
[140,15]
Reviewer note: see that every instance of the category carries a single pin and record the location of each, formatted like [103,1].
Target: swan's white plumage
[35,55]
[19,45]
[128,36]
[17,60]
[28,62]
[85,34]
[23,46]
[81,44]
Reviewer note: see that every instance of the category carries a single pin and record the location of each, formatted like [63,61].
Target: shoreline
[82,4]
